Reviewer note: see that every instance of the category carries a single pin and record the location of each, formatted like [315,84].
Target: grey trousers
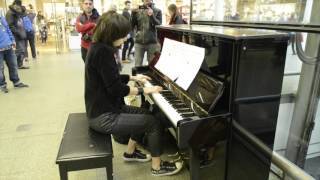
[140,50]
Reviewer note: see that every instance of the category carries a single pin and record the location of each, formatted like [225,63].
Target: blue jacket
[27,24]
[6,37]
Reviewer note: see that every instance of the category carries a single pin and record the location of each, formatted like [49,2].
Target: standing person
[30,30]
[27,24]
[43,34]
[127,13]
[105,89]
[145,19]
[7,43]
[85,25]
[31,14]
[175,16]
[14,19]
[40,18]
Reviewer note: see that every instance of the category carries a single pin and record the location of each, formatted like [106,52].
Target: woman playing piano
[105,89]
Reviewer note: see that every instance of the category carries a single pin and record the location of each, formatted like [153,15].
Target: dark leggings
[134,121]
[126,46]
[84,52]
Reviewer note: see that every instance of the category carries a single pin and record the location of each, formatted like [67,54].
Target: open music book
[180,62]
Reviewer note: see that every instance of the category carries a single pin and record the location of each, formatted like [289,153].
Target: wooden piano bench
[82,148]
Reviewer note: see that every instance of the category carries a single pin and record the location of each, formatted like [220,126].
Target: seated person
[105,89]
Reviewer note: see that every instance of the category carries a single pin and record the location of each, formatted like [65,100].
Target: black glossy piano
[239,80]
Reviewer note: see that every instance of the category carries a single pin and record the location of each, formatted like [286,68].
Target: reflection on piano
[240,79]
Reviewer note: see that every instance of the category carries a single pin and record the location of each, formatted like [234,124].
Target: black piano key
[184,111]
[187,115]
[179,106]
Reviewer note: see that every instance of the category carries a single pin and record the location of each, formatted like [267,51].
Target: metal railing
[289,169]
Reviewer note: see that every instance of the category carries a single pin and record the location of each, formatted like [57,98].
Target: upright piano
[239,80]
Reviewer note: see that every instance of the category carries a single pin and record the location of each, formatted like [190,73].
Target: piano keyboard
[172,107]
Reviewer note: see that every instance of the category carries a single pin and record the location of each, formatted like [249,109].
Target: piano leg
[194,165]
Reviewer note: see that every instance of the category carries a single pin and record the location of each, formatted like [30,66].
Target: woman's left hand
[141,78]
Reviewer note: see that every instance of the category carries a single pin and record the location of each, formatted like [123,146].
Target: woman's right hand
[153,89]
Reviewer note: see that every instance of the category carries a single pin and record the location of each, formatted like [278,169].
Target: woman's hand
[153,89]
[141,78]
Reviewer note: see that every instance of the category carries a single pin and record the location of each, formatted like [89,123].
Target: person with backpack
[175,16]
[85,25]
[28,26]
[7,44]
[14,18]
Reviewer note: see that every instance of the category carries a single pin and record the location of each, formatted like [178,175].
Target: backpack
[27,24]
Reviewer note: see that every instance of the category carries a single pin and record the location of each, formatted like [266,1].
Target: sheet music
[180,62]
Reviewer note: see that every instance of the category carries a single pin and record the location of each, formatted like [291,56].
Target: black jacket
[14,19]
[146,25]
[126,14]
[105,88]
[177,20]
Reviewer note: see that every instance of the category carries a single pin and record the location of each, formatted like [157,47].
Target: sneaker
[137,155]
[20,85]
[4,89]
[23,67]
[167,168]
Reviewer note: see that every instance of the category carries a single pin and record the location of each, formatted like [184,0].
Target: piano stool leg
[194,165]
[63,172]
[109,168]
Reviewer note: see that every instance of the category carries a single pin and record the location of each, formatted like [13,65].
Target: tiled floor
[32,121]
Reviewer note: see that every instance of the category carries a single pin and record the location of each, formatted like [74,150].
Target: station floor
[32,121]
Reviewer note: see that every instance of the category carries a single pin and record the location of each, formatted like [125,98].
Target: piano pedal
[174,155]
[176,160]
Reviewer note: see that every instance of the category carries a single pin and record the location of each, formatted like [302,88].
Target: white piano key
[166,107]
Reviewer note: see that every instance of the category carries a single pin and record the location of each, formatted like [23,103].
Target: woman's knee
[155,124]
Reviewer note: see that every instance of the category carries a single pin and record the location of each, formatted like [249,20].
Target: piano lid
[226,32]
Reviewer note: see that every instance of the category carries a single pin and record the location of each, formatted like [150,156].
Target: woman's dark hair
[173,8]
[111,26]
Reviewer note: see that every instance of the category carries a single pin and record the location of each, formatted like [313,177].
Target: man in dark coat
[144,20]
[15,22]
[130,42]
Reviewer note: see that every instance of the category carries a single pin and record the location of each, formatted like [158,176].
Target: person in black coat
[130,42]
[14,18]
[105,89]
